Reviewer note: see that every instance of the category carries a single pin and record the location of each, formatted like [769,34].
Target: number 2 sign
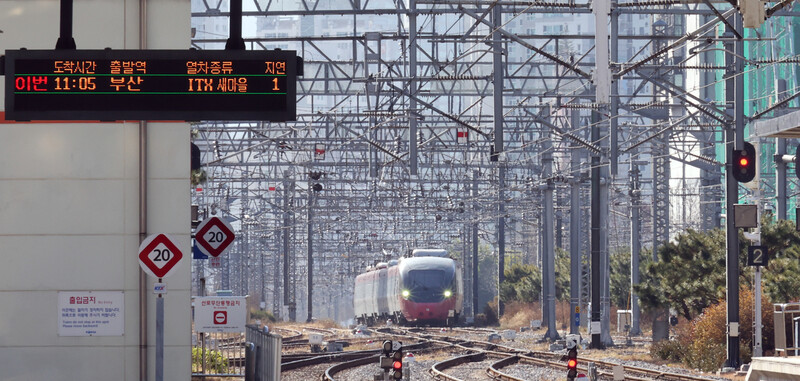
[757,256]
[158,255]
[213,236]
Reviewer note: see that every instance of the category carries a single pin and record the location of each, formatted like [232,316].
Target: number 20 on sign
[213,236]
[158,255]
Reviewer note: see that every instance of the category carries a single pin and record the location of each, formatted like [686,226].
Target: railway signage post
[757,256]
[158,257]
[213,236]
[220,313]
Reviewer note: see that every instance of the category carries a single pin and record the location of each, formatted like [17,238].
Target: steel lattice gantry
[398,122]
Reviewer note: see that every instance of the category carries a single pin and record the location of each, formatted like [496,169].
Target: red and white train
[424,289]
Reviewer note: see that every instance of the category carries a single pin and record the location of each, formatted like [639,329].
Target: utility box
[314,338]
[335,346]
[745,216]
[624,318]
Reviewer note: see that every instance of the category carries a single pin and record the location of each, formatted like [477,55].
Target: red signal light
[572,363]
[743,163]
[397,365]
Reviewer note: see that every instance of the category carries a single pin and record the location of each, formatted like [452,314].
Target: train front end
[430,290]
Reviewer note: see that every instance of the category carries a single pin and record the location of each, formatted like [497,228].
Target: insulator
[592,106]
[460,77]
[545,4]
[651,3]
[787,60]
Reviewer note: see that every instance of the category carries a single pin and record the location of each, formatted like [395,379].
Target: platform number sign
[757,256]
[158,255]
[213,236]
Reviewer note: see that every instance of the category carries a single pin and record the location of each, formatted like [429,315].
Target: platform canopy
[784,126]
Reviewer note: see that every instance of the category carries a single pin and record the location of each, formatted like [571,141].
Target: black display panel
[188,85]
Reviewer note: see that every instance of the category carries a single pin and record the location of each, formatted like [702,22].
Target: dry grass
[641,353]
[438,355]
[326,324]
[321,324]
[519,315]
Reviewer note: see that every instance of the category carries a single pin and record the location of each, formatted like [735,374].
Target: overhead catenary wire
[438,147]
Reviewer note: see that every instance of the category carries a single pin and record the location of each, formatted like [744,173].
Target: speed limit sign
[158,255]
[213,236]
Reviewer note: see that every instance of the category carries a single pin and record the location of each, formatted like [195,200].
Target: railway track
[333,372]
[476,361]
[346,342]
[296,360]
[343,360]
[288,334]
[508,357]
[471,360]
[326,333]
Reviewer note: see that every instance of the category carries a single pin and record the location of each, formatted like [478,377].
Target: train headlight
[406,293]
[447,293]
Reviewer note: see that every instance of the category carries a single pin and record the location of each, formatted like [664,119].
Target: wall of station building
[69,208]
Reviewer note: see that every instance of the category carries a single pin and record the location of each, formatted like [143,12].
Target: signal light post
[572,364]
[391,361]
[742,169]
[572,356]
[734,138]
[397,365]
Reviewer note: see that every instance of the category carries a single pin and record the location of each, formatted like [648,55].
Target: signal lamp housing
[397,365]
[572,364]
[743,163]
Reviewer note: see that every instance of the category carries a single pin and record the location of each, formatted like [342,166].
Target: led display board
[188,85]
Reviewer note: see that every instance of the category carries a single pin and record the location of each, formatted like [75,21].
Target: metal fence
[263,355]
[787,328]
[218,354]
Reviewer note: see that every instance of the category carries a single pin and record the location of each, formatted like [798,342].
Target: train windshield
[427,286]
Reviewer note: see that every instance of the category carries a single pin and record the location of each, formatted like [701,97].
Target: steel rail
[328,376]
[541,359]
[419,348]
[353,341]
[437,370]
[294,335]
[323,358]
[495,373]
[341,356]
